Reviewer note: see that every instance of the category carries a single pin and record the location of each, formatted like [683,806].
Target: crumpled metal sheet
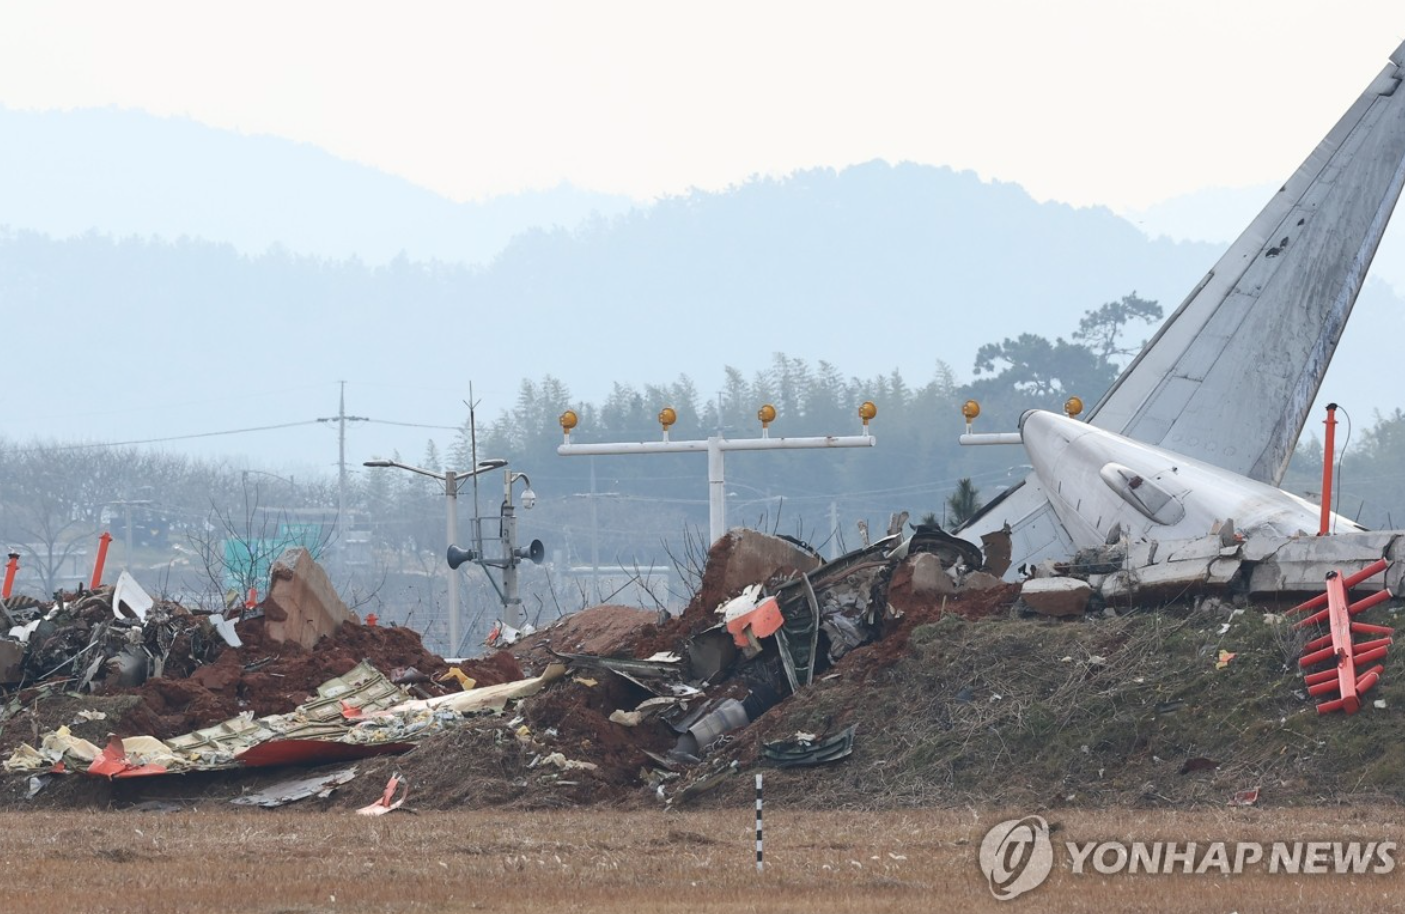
[805,753]
[294,789]
[848,597]
[356,715]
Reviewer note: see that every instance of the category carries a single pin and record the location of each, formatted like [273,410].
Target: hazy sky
[1122,103]
[1115,102]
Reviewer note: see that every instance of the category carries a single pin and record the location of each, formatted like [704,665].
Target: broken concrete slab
[1262,545]
[302,605]
[1224,571]
[1142,553]
[1163,583]
[1344,549]
[980,580]
[1057,596]
[749,556]
[1204,548]
[929,578]
[1300,565]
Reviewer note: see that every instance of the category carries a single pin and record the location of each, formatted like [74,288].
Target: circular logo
[1016,856]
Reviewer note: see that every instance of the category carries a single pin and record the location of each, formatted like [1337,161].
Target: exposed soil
[264,677]
[961,700]
[603,630]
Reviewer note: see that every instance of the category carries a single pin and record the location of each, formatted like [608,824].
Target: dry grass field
[207,859]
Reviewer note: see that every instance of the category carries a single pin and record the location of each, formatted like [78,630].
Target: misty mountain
[1218,214]
[129,173]
[873,269]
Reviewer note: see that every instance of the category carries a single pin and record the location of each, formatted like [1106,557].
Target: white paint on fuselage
[1097,480]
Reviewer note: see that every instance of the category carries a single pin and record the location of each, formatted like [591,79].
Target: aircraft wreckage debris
[608,699]
[678,688]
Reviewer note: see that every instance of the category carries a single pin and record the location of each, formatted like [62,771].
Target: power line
[101,444]
[35,449]
[447,428]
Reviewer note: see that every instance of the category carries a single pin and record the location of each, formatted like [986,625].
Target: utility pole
[341,418]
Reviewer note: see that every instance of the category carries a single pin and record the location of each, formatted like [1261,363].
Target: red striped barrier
[1345,678]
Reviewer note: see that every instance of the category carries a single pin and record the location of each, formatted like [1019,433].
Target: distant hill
[875,268]
[1218,214]
[911,261]
[130,173]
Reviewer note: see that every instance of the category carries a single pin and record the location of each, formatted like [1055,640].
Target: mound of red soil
[602,630]
[493,669]
[270,677]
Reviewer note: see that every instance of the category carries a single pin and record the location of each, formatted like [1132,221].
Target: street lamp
[450,479]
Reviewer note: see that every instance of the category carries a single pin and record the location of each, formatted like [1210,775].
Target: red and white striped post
[759,864]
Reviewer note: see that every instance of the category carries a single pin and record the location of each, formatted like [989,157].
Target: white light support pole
[450,479]
[971,409]
[971,439]
[716,447]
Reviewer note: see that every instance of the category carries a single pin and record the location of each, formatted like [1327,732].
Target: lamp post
[450,479]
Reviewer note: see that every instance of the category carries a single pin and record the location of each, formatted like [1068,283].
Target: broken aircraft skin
[824,613]
[1229,378]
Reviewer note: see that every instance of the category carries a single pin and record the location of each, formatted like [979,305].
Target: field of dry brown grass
[205,859]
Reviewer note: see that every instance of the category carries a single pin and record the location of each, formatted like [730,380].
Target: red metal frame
[1343,678]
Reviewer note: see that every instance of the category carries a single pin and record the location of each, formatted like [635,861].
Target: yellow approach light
[667,417]
[767,415]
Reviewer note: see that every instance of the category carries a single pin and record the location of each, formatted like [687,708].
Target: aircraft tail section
[1231,375]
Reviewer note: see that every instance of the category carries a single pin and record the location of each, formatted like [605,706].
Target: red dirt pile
[269,677]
